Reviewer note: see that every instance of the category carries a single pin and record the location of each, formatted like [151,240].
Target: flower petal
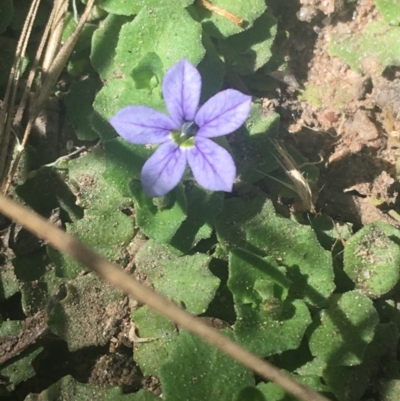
[212,166]
[181,90]
[163,171]
[223,113]
[141,125]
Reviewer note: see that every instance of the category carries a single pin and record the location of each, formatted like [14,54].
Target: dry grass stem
[49,77]
[6,113]
[300,184]
[32,73]
[69,245]
[56,29]
[220,11]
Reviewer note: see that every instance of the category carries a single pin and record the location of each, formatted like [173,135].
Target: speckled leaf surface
[267,322]
[88,314]
[68,388]
[369,51]
[293,246]
[151,31]
[219,26]
[104,226]
[210,375]
[157,337]
[185,279]
[344,329]
[248,51]
[372,259]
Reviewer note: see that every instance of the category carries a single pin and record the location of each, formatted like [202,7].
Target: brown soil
[349,121]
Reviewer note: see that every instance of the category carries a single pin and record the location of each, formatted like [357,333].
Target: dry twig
[51,71]
[221,11]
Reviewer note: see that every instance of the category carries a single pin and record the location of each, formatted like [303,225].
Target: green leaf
[119,93]
[104,42]
[123,7]
[389,390]
[6,12]
[46,189]
[249,275]
[349,383]
[185,279]
[218,26]
[369,51]
[212,70]
[203,206]
[158,336]
[330,233]
[152,31]
[87,315]
[159,218]
[8,281]
[266,323]
[148,72]
[344,329]
[69,389]
[390,10]
[38,281]
[372,259]
[120,7]
[20,369]
[109,234]
[248,51]
[250,394]
[253,225]
[276,393]
[253,150]
[124,162]
[197,372]
[79,108]
[93,192]
[79,62]
[104,226]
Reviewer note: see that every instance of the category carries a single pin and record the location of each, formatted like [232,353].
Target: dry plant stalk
[116,276]
[300,184]
[38,57]
[220,11]
[53,64]
[7,140]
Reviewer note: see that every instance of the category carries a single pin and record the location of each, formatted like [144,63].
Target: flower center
[189,129]
[185,137]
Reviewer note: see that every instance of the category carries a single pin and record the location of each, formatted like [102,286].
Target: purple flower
[184,135]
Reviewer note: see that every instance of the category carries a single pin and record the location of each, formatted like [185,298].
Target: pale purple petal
[163,171]
[212,166]
[181,90]
[142,125]
[223,113]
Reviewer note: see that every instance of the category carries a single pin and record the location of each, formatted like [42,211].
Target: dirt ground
[353,131]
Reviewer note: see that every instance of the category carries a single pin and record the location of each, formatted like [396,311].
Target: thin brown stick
[50,79]
[11,90]
[57,26]
[66,243]
[221,11]
[32,72]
